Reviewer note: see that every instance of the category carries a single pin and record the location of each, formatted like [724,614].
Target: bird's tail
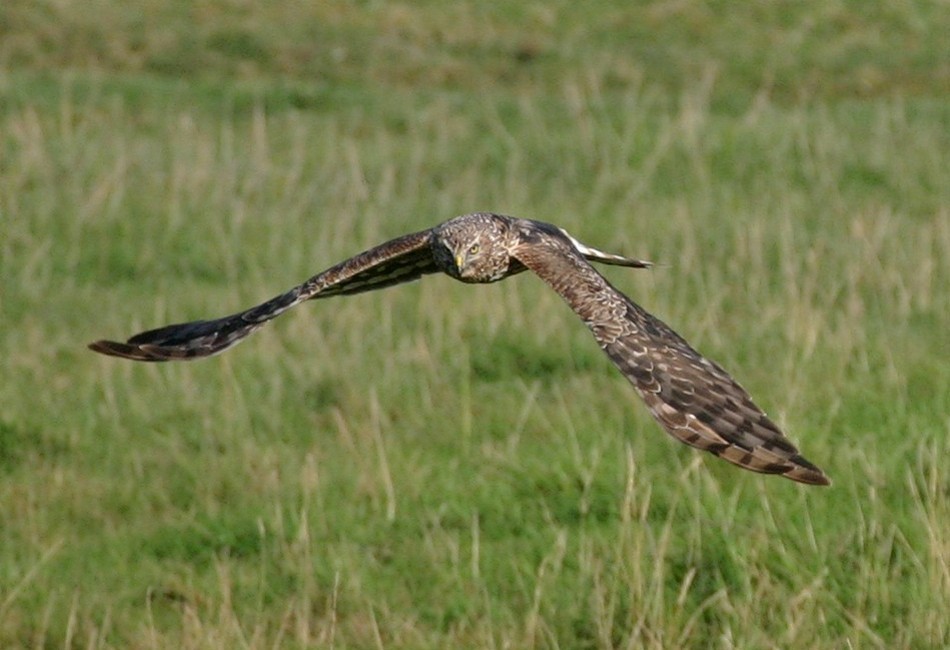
[594,255]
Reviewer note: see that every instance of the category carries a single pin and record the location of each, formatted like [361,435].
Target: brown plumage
[691,397]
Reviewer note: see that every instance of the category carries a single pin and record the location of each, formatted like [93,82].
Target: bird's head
[474,247]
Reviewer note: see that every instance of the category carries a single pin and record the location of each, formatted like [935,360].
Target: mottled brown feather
[403,259]
[692,398]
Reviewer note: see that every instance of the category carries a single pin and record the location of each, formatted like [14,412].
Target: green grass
[441,465]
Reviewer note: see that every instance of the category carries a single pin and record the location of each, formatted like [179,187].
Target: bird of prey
[691,397]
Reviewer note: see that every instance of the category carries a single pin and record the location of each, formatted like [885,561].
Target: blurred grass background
[440,465]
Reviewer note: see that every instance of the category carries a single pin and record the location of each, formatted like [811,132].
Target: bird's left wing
[403,259]
[691,397]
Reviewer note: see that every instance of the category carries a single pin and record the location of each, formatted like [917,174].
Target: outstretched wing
[403,259]
[694,399]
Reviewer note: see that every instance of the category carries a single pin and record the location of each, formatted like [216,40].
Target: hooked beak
[459,260]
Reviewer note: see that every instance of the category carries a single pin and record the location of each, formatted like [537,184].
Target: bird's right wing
[403,259]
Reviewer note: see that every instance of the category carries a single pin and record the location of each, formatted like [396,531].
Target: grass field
[448,466]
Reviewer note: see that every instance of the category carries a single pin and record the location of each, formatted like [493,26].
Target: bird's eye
[473,249]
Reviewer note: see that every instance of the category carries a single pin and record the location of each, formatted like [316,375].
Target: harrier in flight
[692,398]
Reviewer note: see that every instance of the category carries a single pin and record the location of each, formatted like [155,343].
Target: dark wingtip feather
[122,350]
[805,472]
